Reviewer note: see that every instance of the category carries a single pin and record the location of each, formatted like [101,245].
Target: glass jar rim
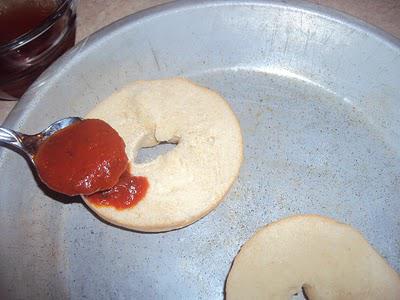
[38,30]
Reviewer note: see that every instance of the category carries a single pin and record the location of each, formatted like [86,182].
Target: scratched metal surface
[317,95]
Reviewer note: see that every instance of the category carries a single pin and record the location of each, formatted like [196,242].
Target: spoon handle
[27,144]
[11,137]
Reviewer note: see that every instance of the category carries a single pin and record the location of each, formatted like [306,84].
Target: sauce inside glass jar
[19,17]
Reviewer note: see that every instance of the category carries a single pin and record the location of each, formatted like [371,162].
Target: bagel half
[189,181]
[328,259]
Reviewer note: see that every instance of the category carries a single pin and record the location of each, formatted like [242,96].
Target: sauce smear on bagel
[125,194]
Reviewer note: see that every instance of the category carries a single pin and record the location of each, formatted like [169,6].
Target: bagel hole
[148,154]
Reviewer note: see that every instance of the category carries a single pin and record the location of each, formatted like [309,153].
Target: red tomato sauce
[82,159]
[125,194]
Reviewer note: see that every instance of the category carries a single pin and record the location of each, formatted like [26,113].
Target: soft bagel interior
[190,180]
[329,260]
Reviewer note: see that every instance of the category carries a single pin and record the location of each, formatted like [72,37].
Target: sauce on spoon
[81,159]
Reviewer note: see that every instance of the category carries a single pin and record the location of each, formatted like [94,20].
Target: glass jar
[26,56]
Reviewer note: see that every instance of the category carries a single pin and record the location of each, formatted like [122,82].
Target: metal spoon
[29,144]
